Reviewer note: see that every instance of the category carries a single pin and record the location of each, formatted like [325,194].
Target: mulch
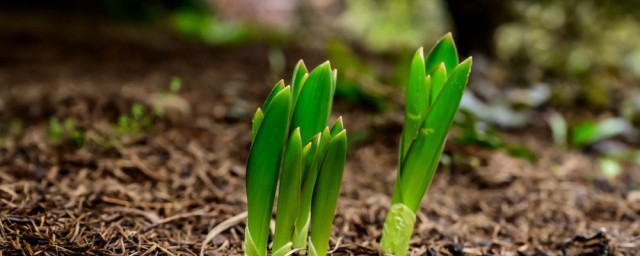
[161,192]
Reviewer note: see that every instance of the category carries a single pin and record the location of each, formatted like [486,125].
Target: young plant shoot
[434,91]
[291,140]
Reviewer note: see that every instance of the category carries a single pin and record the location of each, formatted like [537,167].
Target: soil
[159,192]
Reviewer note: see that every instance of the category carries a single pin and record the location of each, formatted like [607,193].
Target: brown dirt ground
[161,193]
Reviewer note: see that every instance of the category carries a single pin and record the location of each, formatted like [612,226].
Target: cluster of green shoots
[434,92]
[291,142]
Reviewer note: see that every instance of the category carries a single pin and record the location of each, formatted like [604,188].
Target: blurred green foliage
[139,121]
[10,130]
[385,24]
[574,37]
[201,23]
[478,133]
[609,167]
[65,132]
[611,139]
[175,85]
[358,80]
[589,132]
[581,49]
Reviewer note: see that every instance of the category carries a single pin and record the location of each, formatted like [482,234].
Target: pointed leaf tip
[301,64]
[289,193]
[416,102]
[438,79]
[337,127]
[339,120]
[325,67]
[469,59]
[263,167]
[313,106]
[443,51]
[276,89]
[300,74]
[420,51]
[255,124]
[466,64]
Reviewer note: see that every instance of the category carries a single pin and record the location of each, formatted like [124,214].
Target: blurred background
[566,71]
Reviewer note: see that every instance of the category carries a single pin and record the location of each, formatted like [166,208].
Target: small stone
[633,199]
[172,107]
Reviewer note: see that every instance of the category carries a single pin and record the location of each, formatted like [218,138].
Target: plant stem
[250,248]
[397,230]
[300,234]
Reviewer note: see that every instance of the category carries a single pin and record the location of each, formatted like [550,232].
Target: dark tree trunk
[475,23]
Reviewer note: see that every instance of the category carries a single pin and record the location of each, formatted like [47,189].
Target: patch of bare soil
[161,192]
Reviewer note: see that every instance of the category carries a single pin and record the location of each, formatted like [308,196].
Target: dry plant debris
[162,193]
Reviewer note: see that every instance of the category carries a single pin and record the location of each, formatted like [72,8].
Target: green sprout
[291,140]
[137,122]
[434,92]
[176,85]
[65,131]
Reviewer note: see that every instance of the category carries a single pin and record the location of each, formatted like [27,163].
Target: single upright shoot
[434,92]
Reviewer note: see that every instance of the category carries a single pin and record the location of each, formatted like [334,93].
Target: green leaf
[250,247]
[312,250]
[305,153]
[255,124]
[289,192]
[423,156]
[313,107]
[263,168]
[283,250]
[308,153]
[276,89]
[301,228]
[311,155]
[325,196]
[309,182]
[443,52]
[417,104]
[334,81]
[396,197]
[337,127]
[416,107]
[325,139]
[590,132]
[300,74]
[438,78]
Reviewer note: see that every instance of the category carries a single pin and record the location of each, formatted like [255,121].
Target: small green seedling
[175,86]
[434,92]
[291,140]
[588,132]
[65,131]
[137,122]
